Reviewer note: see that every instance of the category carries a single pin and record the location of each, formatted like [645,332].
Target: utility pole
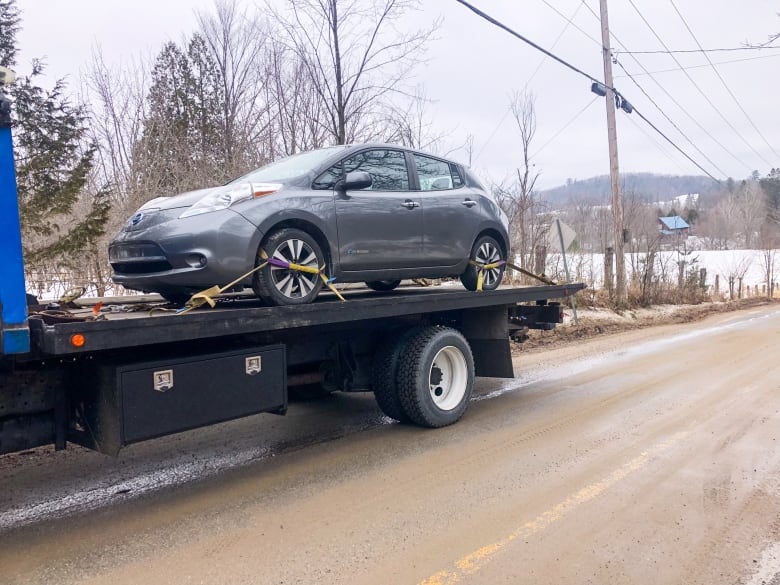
[617,200]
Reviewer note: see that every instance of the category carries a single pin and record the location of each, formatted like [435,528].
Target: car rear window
[435,174]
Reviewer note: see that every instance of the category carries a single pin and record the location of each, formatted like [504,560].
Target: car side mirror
[356,180]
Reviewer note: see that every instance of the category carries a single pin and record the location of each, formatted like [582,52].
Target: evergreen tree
[60,221]
[9,25]
[771,187]
[182,139]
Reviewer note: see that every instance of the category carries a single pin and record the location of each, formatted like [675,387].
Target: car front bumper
[191,253]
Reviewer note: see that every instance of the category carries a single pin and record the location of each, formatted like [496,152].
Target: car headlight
[229,195]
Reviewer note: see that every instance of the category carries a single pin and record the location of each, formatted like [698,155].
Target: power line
[570,20]
[528,81]
[696,85]
[700,50]
[723,81]
[526,40]
[564,127]
[683,134]
[669,140]
[576,70]
[677,69]
[656,144]
[670,96]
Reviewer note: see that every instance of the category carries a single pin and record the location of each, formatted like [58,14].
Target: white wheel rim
[488,253]
[293,283]
[448,378]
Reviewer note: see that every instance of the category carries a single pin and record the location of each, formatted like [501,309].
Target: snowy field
[749,264]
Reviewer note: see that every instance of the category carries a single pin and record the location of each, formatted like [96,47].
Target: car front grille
[137,258]
[140,267]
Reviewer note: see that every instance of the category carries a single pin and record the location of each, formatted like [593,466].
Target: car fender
[288,211]
[491,225]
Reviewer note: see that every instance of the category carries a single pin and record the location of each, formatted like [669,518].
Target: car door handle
[409,204]
[469,203]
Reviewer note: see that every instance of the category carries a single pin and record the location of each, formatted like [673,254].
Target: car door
[452,211]
[380,227]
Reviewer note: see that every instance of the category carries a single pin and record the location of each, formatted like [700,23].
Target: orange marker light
[77,340]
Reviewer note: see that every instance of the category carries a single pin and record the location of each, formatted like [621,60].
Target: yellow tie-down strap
[206,297]
[481,268]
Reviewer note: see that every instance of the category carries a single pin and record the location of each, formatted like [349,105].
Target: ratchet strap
[328,282]
[206,297]
[481,268]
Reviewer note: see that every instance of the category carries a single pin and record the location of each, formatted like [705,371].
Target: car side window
[436,175]
[386,167]
[327,180]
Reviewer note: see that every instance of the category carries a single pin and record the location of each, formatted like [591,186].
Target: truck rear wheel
[384,374]
[435,376]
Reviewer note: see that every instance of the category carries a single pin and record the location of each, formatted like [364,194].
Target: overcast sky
[473,67]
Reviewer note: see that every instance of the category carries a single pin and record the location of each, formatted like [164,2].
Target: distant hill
[648,186]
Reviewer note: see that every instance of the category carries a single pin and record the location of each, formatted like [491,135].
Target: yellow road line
[474,561]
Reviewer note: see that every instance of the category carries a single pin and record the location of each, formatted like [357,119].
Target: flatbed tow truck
[106,379]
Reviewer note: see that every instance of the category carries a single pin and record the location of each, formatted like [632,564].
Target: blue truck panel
[13,299]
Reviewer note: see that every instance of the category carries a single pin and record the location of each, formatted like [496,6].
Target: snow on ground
[750,264]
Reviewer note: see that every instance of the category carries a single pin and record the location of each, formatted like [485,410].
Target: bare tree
[410,124]
[117,102]
[519,200]
[770,242]
[750,210]
[294,107]
[237,39]
[355,57]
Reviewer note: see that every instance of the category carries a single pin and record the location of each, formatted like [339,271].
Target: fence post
[540,259]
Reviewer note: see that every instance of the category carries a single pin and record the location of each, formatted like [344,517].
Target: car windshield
[290,167]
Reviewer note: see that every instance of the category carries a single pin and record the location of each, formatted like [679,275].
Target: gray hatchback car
[372,213]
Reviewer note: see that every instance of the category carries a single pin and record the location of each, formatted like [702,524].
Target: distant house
[673,227]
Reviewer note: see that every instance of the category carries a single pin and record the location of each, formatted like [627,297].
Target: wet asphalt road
[647,457]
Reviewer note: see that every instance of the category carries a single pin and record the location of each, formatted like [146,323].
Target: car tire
[383,285]
[435,376]
[486,250]
[280,286]
[384,374]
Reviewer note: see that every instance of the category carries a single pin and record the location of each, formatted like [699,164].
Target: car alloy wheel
[488,253]
[486,250]
[277,283]
[294,283]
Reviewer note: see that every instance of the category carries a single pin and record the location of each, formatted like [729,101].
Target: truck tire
[486,250]
[384,374]
[435,376]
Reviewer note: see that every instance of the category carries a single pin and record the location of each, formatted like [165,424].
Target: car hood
[162,209]
[177,201]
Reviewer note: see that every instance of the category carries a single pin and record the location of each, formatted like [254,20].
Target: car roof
[362,146]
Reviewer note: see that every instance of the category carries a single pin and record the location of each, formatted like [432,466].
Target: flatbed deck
[246,316]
